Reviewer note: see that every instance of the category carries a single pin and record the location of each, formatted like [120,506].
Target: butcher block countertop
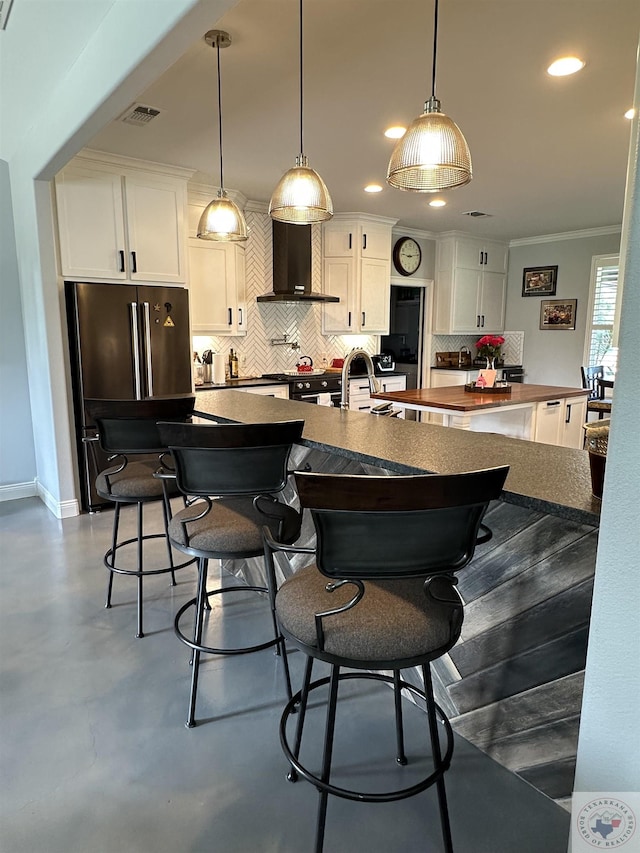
[455,398]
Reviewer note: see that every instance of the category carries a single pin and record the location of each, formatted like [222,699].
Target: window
[601,320]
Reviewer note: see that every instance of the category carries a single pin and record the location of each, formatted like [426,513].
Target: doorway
[405,340]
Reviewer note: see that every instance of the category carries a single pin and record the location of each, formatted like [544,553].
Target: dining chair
[596,401]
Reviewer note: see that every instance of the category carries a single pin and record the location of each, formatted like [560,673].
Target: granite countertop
[456,399]
[542,477]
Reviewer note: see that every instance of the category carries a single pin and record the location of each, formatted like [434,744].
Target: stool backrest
[231,459]
[130,426]
[591,377]
[388,527]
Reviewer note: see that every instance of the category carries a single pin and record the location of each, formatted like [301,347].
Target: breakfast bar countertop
[542,477]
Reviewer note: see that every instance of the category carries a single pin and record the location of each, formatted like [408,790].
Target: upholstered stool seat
[232,475]
[127,431]
[380,598]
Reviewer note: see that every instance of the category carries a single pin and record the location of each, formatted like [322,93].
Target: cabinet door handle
[481,255]
[134,262]
[477,321]
[121,253]
[363,408]
[482,323]
[349,322]
[363,319]
[567,419]
[350,238]
[239,316]
[230,321]
[364,241]
[553,403]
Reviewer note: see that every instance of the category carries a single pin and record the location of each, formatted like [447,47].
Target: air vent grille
[139,115]
[475,213]
[5,8]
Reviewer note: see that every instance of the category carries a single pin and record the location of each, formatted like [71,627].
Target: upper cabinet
[471,286]
[217,292]
[356,267]
[121,220]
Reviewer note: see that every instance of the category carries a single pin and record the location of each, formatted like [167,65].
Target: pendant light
[433,155]
[222,219]
[301,196]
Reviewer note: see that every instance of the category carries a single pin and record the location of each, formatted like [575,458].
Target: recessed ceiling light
[630,113]
[395,132]
[437,202]
[565,65]
[373,188]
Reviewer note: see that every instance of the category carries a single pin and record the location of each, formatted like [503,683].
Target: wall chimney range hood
[292,266]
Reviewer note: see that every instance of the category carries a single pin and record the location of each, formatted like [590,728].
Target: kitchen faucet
[463,351]
[373,382]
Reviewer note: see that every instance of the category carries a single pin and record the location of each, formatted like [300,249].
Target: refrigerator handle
[147,346]
[135,350]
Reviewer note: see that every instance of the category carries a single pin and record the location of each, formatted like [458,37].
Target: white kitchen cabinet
[281,391]
[360,394]
[442,378]
[356,268]
[117,222]
[217,288]
[560,422]
[471,286]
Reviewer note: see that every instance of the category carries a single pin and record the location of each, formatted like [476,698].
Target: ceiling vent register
[139,115]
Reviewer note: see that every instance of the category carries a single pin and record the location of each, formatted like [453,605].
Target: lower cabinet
[360,396]
[268,390]
[560,422]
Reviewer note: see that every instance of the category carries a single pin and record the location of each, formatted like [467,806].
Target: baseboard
[15,491]
[61,509]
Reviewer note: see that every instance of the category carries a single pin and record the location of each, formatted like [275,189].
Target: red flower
[489,345]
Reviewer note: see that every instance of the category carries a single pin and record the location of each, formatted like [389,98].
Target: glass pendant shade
[433,155]
[222,220]
[301,196]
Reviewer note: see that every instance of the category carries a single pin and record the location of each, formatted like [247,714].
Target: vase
[491,362]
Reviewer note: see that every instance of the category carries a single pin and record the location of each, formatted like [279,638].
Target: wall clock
[407,256]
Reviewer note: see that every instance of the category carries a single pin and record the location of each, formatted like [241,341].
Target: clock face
[407,256]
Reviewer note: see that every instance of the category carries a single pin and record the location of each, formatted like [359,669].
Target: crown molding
[417,233]
[567,235]
[131,163]
[365,217]
[202,194]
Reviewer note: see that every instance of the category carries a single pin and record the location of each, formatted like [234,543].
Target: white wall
[553,357]
[17,456]
[91,62]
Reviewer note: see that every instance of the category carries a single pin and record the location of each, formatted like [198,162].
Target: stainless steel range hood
[292,266]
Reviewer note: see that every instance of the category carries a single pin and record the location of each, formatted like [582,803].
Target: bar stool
[232,474]
[126,431]
[381,597]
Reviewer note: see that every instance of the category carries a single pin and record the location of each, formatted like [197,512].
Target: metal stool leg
[326,758]
[437,758]
[292,775]
[197,639]
[166,512]
[140,569]
[114,544]
[401,758]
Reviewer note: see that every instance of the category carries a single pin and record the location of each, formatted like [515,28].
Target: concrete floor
[96,758]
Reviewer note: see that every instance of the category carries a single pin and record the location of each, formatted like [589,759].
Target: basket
[472,388]
[597,437]
[596,442]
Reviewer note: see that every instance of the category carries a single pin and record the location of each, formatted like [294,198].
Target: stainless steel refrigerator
[126,342]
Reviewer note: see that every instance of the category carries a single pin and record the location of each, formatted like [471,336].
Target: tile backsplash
[265,322]
[513,347]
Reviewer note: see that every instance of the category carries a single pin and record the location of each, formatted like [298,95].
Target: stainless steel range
[321,389]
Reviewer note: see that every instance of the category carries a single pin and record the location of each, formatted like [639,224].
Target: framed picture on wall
[558,314]
[539,281]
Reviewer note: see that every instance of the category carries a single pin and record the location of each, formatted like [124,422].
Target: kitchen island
[546,413]
[513,683]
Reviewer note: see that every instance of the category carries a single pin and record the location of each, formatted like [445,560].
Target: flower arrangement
[489,346]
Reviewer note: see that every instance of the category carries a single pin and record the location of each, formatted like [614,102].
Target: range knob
[324,383]
[307,385]
[299,385]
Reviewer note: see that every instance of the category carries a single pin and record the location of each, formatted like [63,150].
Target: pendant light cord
[435,50]
[220,113]
[301,86]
